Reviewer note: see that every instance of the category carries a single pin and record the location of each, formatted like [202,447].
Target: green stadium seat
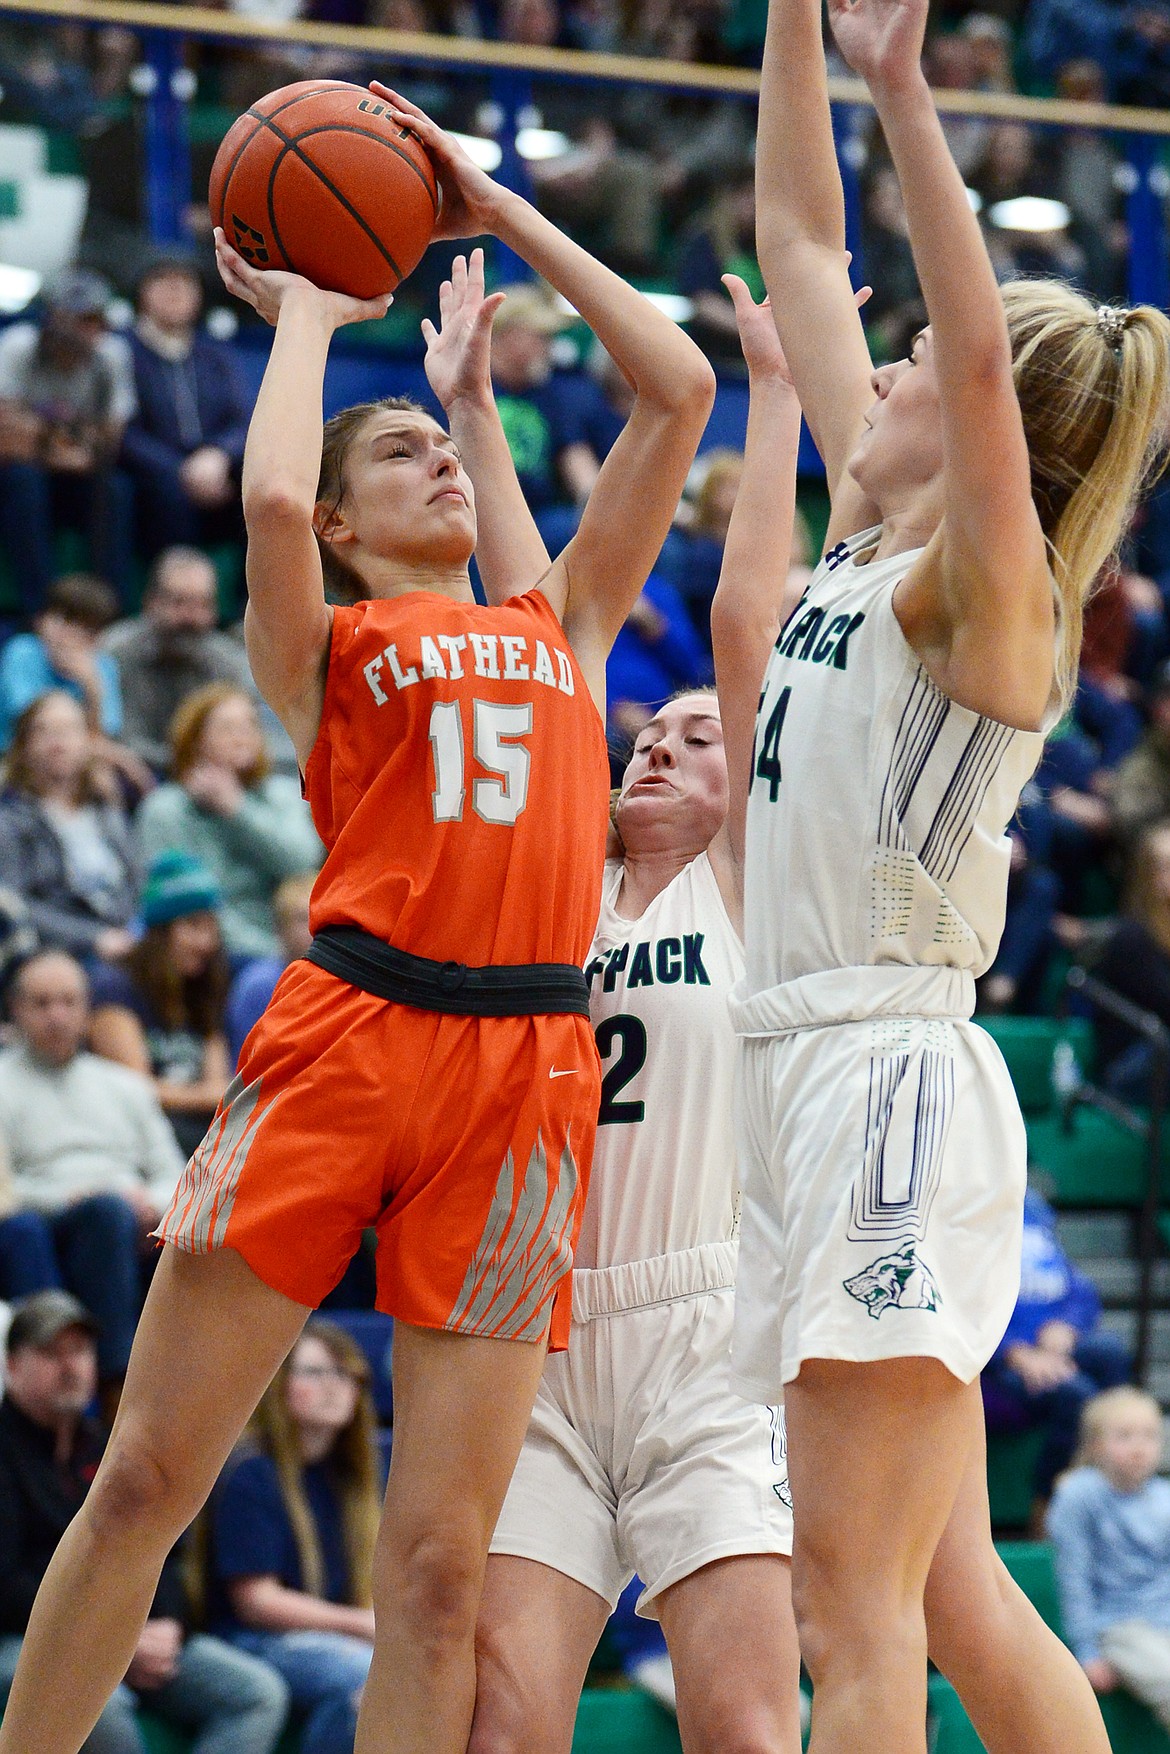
[1132,1729]
[610,1720]
[1093,1162]
[617,1720]
[1011,1465]
[1028,1045]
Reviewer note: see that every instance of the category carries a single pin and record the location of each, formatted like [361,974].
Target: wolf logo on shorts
[895,1281]
[780,1487]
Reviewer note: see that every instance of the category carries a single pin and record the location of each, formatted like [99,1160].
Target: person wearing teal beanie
[160,1009]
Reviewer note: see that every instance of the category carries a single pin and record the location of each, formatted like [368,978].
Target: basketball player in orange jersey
[429,1068]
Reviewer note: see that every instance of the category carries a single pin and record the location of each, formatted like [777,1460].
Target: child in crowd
[1109,1523]
[293,1530]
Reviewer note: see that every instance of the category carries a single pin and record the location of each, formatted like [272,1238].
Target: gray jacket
[32,861]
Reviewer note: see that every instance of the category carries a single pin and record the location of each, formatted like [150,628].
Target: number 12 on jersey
[496,728]
[767,765]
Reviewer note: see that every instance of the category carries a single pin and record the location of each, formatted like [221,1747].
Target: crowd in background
[156,857]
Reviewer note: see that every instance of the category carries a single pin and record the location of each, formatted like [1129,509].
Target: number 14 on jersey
[766,766]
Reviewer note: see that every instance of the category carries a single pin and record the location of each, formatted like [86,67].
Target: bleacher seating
[1132,1729]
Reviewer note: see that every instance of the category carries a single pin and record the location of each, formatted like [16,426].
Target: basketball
[316,178]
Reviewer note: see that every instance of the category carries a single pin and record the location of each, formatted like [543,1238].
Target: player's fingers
[741,298]
[459,279]
[862,296]
[446,296]
[487,310]
[429,333]
[475,271]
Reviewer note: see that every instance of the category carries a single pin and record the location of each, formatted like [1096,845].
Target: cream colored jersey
[878,807]
[663,1174]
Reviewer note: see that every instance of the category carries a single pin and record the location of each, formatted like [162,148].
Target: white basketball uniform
[882,1147]
[639,1456]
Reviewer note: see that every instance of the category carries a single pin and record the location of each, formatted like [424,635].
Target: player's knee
[744,1727]
[139,1487]
[844,1621]
[434,1579]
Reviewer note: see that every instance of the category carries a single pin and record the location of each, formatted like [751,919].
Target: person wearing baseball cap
[50,1447]
[543,411]
[66,393]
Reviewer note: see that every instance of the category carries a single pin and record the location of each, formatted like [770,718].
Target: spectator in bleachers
[173,648]
[1109,1523]
[1129,42]
[66,846]
[656,654]
[1054,1356]
[160,1010]
[92,1156]
[66,393]
[1088,175]
[49,1451]
[721,241]
[1135,962]
[64,653]
[293,1531]
[694,553]
[538,407]
[255,984]
[1015,980]
[224,806]
[1140,787]
[605,190]
[185,445]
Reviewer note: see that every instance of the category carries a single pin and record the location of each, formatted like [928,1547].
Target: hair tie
[1111,321]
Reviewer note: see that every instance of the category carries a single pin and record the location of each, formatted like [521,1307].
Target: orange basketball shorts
[464,1141]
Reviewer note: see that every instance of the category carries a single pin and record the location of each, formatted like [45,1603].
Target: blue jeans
[91,1249]
[325,1673]
[1102,1361]
[35,501]
[230,1702]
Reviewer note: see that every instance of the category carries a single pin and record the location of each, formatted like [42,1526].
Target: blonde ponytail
[1094,390]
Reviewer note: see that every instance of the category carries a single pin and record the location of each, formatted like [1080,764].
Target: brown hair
[194,1002]
[1094,390]
[188,724]
[343,584]
[353,1463]
[17,772]
[83,599]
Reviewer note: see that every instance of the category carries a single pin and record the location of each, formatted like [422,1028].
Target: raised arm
[750,604]
[509,551]
[979,607]
[595,582]
[287,623]
[800,238]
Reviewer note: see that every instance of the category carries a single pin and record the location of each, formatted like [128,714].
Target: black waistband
[497,990]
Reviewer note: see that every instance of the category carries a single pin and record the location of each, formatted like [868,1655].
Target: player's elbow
[275,505]
[688,393]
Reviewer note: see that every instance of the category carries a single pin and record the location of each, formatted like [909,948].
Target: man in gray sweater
[92,1161]
[170,650]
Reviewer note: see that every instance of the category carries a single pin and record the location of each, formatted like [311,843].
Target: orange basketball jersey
[459,781]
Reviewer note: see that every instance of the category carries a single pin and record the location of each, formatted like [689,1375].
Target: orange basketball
[316,177]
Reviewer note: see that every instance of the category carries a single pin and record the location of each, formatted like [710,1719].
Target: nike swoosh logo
[567,1074]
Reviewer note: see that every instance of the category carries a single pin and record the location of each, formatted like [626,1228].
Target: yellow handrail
[459,53]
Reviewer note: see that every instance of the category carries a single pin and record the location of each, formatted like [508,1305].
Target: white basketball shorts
[639,1456]
[882,1161]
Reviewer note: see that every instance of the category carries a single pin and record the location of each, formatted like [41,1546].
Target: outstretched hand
[266,289]
[880,39]
[470,197]
[762,352]
[458,358]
